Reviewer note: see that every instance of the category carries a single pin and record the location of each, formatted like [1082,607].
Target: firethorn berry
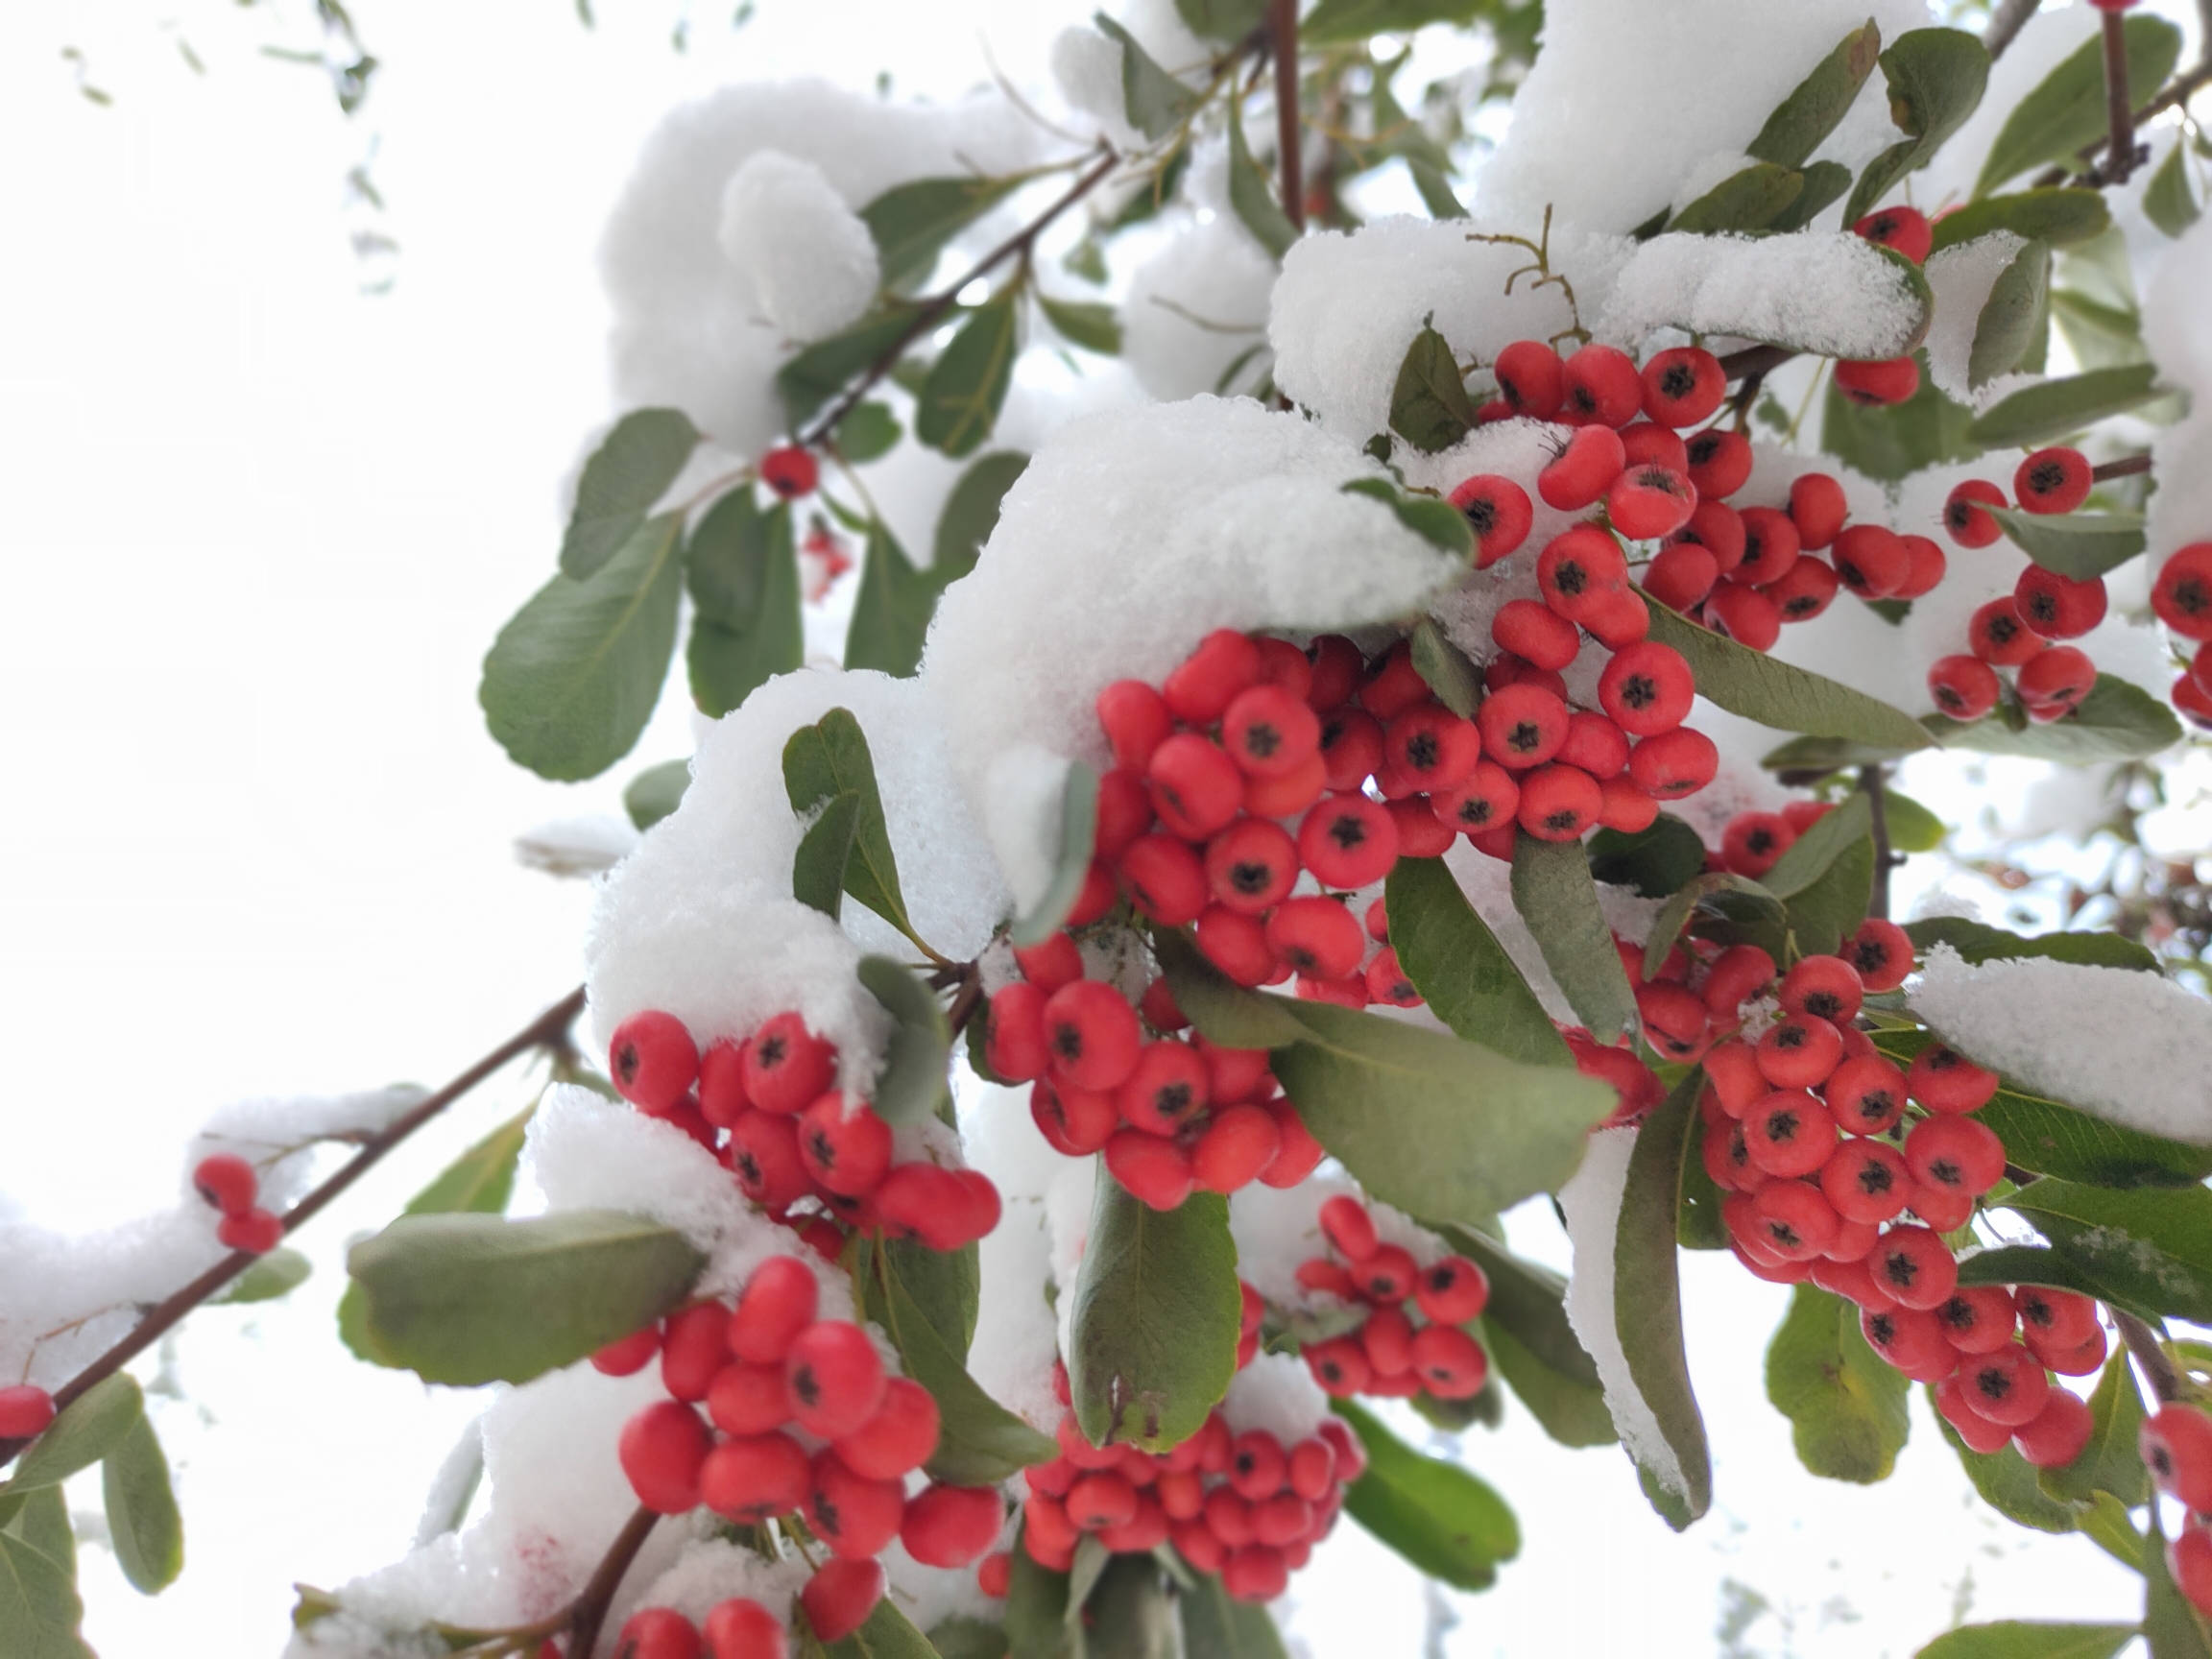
[2056,1434]
[1490,798]
[1282,663]
[1737,972]
[1914,1267]
[1535,633]
[1387,977]
[658,1632]
[1124,814]
[763,1154]
[1268,732]
[1891,381]
[1910,1338]
[1964,687]
[1881,951]
[1532,378]
[1255,1572]
[1646,690]
[1966,519]
[1595,745]
[1348,841]
[951,1525]
[1925,567]
[1449,1362]
[1720,463]
[848,1151]
[254,1230]
[1978,1318]
[1348,1227]
[1718,528]
[748,1398]
[1675,763]
[1806,590]
[2008,1386]
[1866,1094]
[1393,684]
[1944,1080]
[1601,385]
[1558,803]
[1014,1039]
[1979,1434]
[227,1182]
[1617,618]
[1096,897]
[2000,635]
[1451,1290]
[788,1067]
[1136,721]
[2054,480]
[840,1595]
[2177,1444]
[1499,512]
[1752,844]
[834,1377]
[754,1477]
[722,1096]
[25,1411]
[1744,614]
[2191,699]
[1506,669]
[661,1450]
[1165,878]
[1956,1154]
[1579,567]
[1770,547]
[1902,230]
[1522,726]
[1055,962]
[1251,866]
[1092,1035]
[790,472]
[1239,1143]
[2183,593]
[2062,1318]
[1432,748]
[2053,682]
[1385,1274]
[694,1345]
[1872,561]
[1623,807]
[1166,1089]
[1351,748]
[741,1628]
[1942,1208]
[1825,987]
[1865,1181]
[652,1061]
[858,1517]
[624,1356]
[1207,680]
[1682,386]
[1580,476]
[1789,1133]
[1237,943]
[1337,668]
[1196,788]
[1681,576]
[1647,444]
[1800,1052]
[1649,501]
[1674,1018]
[1791,1221]
[1156,1173]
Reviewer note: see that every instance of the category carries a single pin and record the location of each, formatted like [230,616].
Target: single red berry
[1349,841]
[1965,517]
[1490,798]
[227,1182]
[834,1377]
[754,1478]
[840,1595]
[659,1632]
[1506,669]
[25,1411]
[1738,973]
[1648,501]
[1255,1572]
[1743,614]
[790,472]
[1224,663]
[1914,1267]
[1499,512]
[1770,547]
[1050,964]
[1521,727]
[1825,987]
[1535,633]
[1165,878]
[1788,1221]
[2054,480]
[1155,1171]
[900,1435]
[694,1345]
[2177,1444]
[254,1230]
[1449,1362]
[1251,866]
[1092,1035]
[1645,444]
[1432,748]
[1865,1181]
[1682,386]
[763,1154]
[1872,561]
[652,1061]
[846,1149]
[1168,1088]
[741,1628]
[1979,1434]
[1387,977]
[2183,593]
[1337,668]
[787,1068]
[1385,1274]
[1393,684]
[1902,230]
[1800,1052]
[951,1525]
[1351,748]
[2000,635]
[1558,803]
[1646,690]
[1925,567]
[1675,763]
[2053,682]
[746,1399]
[1753,843]
[2061,1318]
[1195,787]
[624,1356]
[1581,473]
[1136,721]
[1881,952]
[1601,385]
[1964,687]
[1910,1338]
[1532,378]
[1098,896]
[2057,607]
[1349,1228]
[1014,1039]
[994,1576]
[1720,463]
[1239,1143]
[1978,1318]
[2008,1386]
[1299,1155]
[1316,936]
[1124,812]
[1237,943]
[1789,1133]
[1681,576]
[1158,1006]
[1866,1094]
[1944,1080]
[928,1202]
[661,1450]
[1282,663]
[1942,1208]
[1076,1121]
[722,1098]
[1891,381]
[1257,1466]
[1451,1291]
[1718,528]
[1269,733]
[2057,1434]
[1956,1154]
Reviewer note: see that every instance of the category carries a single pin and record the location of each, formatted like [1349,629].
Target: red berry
[694,1345]
[1881,952]
[1522,726]
[995,1577]
[1532,378]
[1718,528]
[1772,546]
[25,1411]
[1136,721]
[1680,576]
[834,1377]
[1977,1430]
[951,1525]
[2183,593]
[1892,380]
[1865,1181]
[1166,1089]
[1647,445]
[856,1516]
[1720,463]
[1788,1221]
[1125,813]
[1051,964]
[624,1356]
[1825,987]
[1393,684]
[1154,1172]
[722,1098]
[840,1595]
[1800,1052]
[1451,1363]
[1490,798]
[1237,943]
[1910,1338]
[848,1150]
[2008,1387]
[1789,1133]
[1349,841]
[1914,1267]
[1682,386]
[2177,1444]
[1432,748]
[1600,384]
[1257,1467]
[1594,744]
[1225,663]
[1558,803]
[1316,936]
[1944,1080]
[1999,635]
[1964,687]
[1163,878]
[748,1398]
[1744,614]
[2054,480]
[1092,1035]
[1978,1318]
[1866,1094]
[1581,472]
[787,1068]
[1014,1040]
[254,1230]
[1282,663]
[790,472]
[1337,668]
[1738,971]
[741,1628]
[1096,898]
[1498,510]
[1299,1154]
[1271,733]
[1646,690]
[1385,1274]
[1675,763]
[763,1154]
[227,1182]
[1902,230]
[659,1633]
[1872,561]
[2052,681]
[2057,608]
[1351,748]
[1956,1154]
[754,1477]
[1239,1143]
[1753,843]
[2061,1318]
[1536,634]
[1650,500]
[661,1450]
[1965,518]
[652,1061]
[2057,1433]
[1924,569]
[1195,787]
[1451,1291]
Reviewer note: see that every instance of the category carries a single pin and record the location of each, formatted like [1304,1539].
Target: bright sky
[261,530]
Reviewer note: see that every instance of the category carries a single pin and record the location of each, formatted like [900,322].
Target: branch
[1752,360]
[2007,20]
[1283,40]
[2149,1358]
[589,1611]
[2179,92]
[549,1030]
[2125,467]
[936,305]
[2120,158]
[1870,780]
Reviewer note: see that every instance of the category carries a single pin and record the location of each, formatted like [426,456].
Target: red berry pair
[229,1185]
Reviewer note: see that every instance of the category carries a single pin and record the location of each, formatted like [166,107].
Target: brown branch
[2149,1358]
[2006,20]
[2179,92]
[968,1001]
[549,1030]
[2120,158]
[1759,360]
[931,309]
[1282,41]
[1871,781]
[589,1611]
[2126,467]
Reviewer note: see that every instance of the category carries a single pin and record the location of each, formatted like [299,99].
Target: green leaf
[2055,215]
[2025,1639]
[1978,942]
[830,758]
[1078,836]
[1743,898]
[818,868]
[2026,1265]
[42,1520]
[276,1274]
[2174,1629]
[962,394]
[2167,202]
[142,1520]
[867,434]
[2066,111]
[1812,758]
[1130,1615]
[1571,1411]
[1037,1610]
[2006,1482]
[2117,721]
[1744,682]
[2110,1462]
[888,1634]
[1436,193]
[1655,863]
[1912,826]
[1825,182]
[1435,522]
[971,512]
[744,579]
[1215,1626]
[2057,408]
[1155,102]
[1895,440]
[1751,200]
[1157,1316]
[1221,20]
[815,375]
[1428,406]
[472,1298]
[914,1084]
[1435,1514]
[964,1638]
[1648,1297]
[1835,905]
[629,471]
[572,678]
[1459,967]
[2152,1245]
[1826,840]
[1936,79]
[655,792]
[1555,896]
[1337,22]
[1222,1012]
[1811,112]
[2019,304]
[912,221]
[1094,325]
[40,1610]
[1845,1403]
[87,1430]
[1250,199]
[1446,669]
[2105,1525]
[2078,545]
[892,610]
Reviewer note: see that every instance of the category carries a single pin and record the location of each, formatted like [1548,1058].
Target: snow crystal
[1277,1393]
[587,846]
[1591,1201]
[2177,328]
[1960,279]
[1132,536]
[2130,1047]
[810,259]
[1197,313]
[1825,290]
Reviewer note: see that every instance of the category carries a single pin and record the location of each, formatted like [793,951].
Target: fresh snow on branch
[1826,292]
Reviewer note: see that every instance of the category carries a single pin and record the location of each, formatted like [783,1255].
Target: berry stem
[2151,1356]
[589,1611]
[1282,41]
[1872,779]
[2126,467]
[2120,158]
[549,1030]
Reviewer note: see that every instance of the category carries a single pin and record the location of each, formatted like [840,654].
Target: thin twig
[2150,1357]
[1870,780]
[1755,360]
[2120,158]
[2179,92]
[1282,41]
[549,1030]
[2126,467]
[589,1611]
[2007,20]
[926,314]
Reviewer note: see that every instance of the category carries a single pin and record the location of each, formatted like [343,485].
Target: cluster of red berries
[1243,1505]
[822,557]
[800,1417]
[2177,1446]
[25,1411]
[1906,231]
[1388,1355]
[2182,599]
[231,1186]
[770,1108]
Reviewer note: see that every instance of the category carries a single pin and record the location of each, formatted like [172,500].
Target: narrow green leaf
[965,1638]
[1037,1611]
[42,1520]
[470,1298]
[888,1634]
[142,1520]
[1433,520]
[276,1274]
[830,758]
[1891,442]
[1436,193]
[1825,841]
[1446,669]
[744,579]
[1555,896]
[2078,545]
[1936,79]
[1571,1411]
[1078,836]
[2173,1628]
[573,677]
[1648,1297]
[629,471]
[965,387]
[2110,1462]
[1834,905]
[1335,22]
[1222,1012]
[2027,1264]
[2006,1482]
[88,1429]
[1912,826]
[825,851]
[1656,863]
[1979,942]
[2019,304]
[2024,1639]
[1811,112]
[818,373]
[1435,1514]
[1216,1626]
[1228,20]
[2066,111]
[40,1610]
[1156,1321]
[2167,202]
[912,221]
[1251,200]
[1155,102]
[1130,1615]
[1845,1403]
[2153,1244]
[1748,897]
[892,610]
[1825,183]
[655,792]
[971,512]
[1460,969]
[1091,325]
[2105,1525]
[1428,405]
[2058,408]
[1751,200]
[867,434]
[915,1082]
[1745,682]
[2057,216]
[2117,721]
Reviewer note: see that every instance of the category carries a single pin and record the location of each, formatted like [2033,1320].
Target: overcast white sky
[260,531]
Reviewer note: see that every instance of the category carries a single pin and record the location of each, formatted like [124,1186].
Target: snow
[2177,328]
[1275,1230]
[810,259]
[585,846]
[1822,291]
[1133,535]
[1591,1201]
[1196,310]
[2130,1047]
[1017,1336]
[1276,1393]
[1960,279]
[709,1571]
